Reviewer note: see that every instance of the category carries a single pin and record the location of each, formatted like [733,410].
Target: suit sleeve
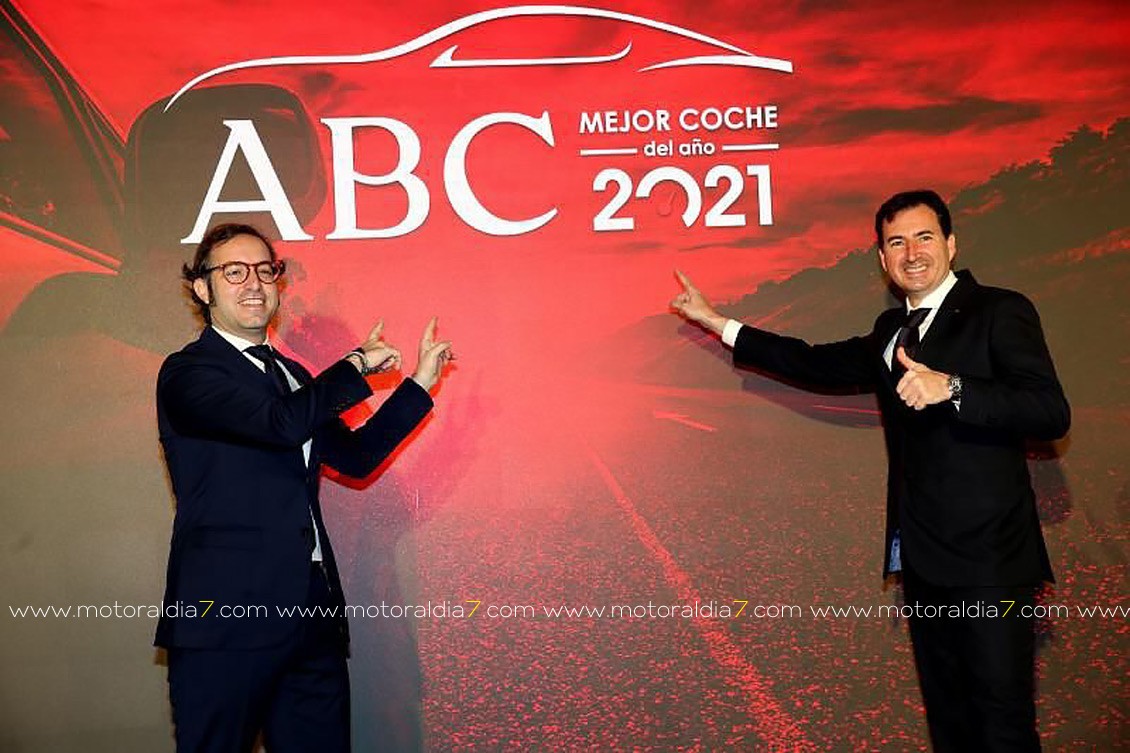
[1024,395]
[843,364]
[203,399]
[359,452]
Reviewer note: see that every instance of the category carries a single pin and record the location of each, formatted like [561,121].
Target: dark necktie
[264,354]
[907,338]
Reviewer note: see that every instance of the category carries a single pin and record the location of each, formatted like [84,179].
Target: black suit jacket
[242,534]
[958,486]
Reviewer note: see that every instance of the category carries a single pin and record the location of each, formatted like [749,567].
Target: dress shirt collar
[239,343]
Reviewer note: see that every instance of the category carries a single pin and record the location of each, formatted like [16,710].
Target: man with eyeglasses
[963,376]
[245,431]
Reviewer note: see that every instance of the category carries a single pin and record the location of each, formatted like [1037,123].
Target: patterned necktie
[267,356]
[909,339]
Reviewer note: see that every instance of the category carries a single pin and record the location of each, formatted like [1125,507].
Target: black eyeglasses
[237,272]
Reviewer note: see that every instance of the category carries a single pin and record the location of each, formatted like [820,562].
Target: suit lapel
[948,319]
[227,352]
[885,330]
[239,362]
[295,369]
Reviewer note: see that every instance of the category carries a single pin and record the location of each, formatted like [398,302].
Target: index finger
[684,281]
[430,330]
[376,333]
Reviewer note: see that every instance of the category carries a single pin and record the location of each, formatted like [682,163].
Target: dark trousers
[977,673]
[295,694]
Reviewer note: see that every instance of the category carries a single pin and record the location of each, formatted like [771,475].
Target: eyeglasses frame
[277,268]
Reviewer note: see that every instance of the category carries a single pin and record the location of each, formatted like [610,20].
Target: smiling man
[245,432]
[246,305]
[963,377]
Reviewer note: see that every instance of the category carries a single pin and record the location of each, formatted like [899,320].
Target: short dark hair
[214,237]
[908,200]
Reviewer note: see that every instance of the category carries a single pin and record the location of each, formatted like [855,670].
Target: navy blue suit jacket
[242,534]
[958,486]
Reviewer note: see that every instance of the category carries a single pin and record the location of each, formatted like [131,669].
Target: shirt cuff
[730,332]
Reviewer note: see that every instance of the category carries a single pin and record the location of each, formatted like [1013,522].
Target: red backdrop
[588,450]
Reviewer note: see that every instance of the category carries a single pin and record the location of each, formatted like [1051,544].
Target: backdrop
[605,538]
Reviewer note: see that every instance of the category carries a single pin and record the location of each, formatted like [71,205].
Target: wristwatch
[357,358]
[953,381]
